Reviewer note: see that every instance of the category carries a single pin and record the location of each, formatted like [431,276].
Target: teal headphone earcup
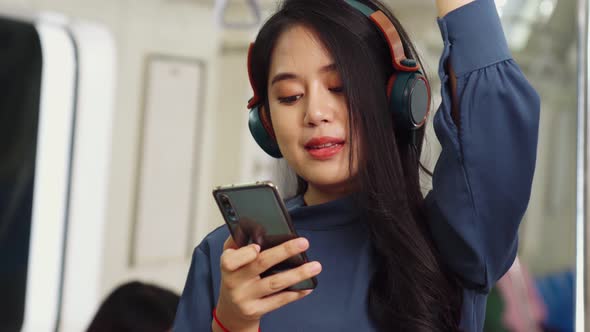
[409,100]
[261,135]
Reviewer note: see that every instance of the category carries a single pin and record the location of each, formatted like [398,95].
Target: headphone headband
[389,32]
[361,7]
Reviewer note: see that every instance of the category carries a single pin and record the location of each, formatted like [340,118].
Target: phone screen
[255,214]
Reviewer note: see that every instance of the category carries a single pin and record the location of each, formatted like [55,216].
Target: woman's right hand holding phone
[244,296]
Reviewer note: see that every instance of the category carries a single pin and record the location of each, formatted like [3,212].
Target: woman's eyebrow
[290,76]
[282,77]
[328,68]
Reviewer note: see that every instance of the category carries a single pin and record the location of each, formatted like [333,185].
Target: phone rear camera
[225,202]
[227,207]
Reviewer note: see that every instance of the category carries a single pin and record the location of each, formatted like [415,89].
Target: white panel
[166,171]
[51,178]
[90,177]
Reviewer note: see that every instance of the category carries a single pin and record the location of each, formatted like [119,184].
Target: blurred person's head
[136,306]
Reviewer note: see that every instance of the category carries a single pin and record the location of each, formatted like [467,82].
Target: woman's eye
[289,100]
[337,89]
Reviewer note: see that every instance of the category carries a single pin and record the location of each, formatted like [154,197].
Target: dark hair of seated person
[136,306]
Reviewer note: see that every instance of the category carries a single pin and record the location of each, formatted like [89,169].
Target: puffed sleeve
[196,304]
[483,177]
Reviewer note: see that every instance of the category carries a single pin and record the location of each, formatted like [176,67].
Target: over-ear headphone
[408,89]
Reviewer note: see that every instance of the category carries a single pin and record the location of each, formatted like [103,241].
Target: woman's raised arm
[487,125]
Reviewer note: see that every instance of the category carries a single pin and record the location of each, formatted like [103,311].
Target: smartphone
[255,213]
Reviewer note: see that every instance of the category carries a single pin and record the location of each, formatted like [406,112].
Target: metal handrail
[221,7]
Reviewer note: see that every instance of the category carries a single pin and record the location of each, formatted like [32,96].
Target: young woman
[340,96]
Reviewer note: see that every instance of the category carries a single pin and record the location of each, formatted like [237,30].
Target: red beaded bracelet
[219,323]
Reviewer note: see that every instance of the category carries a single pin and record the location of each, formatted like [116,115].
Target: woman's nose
[319,109]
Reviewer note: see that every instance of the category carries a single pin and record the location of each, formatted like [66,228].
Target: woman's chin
[323,180]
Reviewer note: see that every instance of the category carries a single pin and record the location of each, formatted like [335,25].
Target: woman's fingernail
[302,243]
[314,267]
[256,247]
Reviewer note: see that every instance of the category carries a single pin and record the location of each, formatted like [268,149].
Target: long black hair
[411,289]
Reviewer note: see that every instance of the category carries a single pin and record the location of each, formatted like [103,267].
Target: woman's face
[309,111]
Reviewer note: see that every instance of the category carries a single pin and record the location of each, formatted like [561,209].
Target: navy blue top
[481,187]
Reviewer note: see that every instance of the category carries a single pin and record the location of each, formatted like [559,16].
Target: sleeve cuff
[475,36]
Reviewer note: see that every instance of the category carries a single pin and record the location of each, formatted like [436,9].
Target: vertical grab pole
[581,292]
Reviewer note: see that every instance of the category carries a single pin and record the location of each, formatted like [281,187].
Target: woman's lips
[323,148]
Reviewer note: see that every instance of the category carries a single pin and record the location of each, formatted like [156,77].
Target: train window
[20,83]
